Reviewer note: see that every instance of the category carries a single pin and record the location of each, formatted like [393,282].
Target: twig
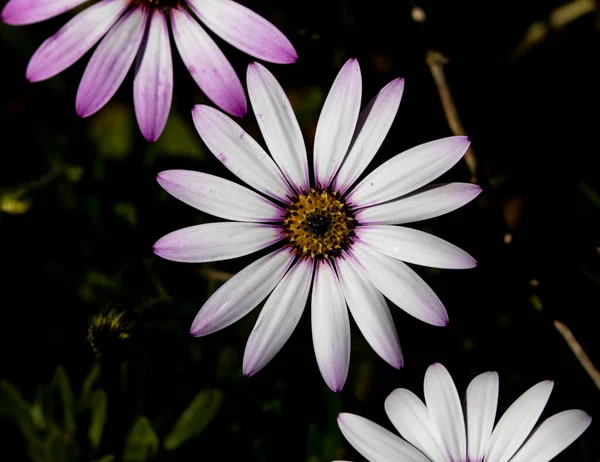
[578,351]
[215,275]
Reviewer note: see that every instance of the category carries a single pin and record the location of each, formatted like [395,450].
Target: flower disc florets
[319,224]
[164,4]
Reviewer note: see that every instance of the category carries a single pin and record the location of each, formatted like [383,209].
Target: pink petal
[22,12]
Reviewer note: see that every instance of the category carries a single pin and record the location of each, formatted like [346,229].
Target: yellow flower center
[318,224]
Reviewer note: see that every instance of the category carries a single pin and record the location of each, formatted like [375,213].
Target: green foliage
[142,442]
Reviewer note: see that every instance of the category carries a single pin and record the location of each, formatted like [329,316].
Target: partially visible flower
[140,28]
[332,235]
[109,334]
[439,431]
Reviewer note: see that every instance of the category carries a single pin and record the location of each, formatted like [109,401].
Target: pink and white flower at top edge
[439,431]
[339,239]
[140,28]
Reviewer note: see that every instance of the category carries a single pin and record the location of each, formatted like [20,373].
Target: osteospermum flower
[439,431]
[333,236]
[140,28]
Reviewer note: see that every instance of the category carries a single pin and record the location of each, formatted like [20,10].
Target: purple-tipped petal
[373,126]
[207,64]
[400,284]
[337,122]
[408,171]
[371,312]
[74,39]
[375,443]
[412,420]
[516,423]
[330,327]
[481,404]
[240,153]
[110,62]
[553,436]
[153,82]
[414,246]
[242,293]
[278,125]
[245,30]
[217,241]
[428,202]
[279,317]
[445,410]
[219,197]
[22,12]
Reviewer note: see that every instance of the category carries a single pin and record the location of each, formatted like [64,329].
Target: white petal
[217,241]
[207,64]
[242,293]
[373,126]
[427,202]
[553,436]
[153,82]
[415,246]
[279,317]
[330,327]
[110,62]
[278,125]
[245,30]
[22,12]
[240,153]
[409,170]
[218,196]
[411,418]
[371,312]
[400,284]
[517,422]
[481,404]
[375,443]
[337,122]
[73,39]
[445,410]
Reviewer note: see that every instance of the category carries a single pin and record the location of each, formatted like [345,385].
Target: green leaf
[12,403]
[112,130]
[106,458]
[142,442]
[126,210]
[98,405]
[61,382]
[88,384]
[178,140]
[193,420]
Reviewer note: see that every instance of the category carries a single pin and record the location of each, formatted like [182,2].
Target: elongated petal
[22,12]
[218,196]
[74,39]
[217,241]
[375,443]
[240,295]
[411,418]
[278,125]
[553,436]
[207,64]
[517,422]
[279,317]
[428,202]
[110,62]
[371,313]
[415,246]
[481,404]
[330,327]
[245,30]
[337,122]
[373,125]
[239,152]
[409,170]
[153,82]
[400,284]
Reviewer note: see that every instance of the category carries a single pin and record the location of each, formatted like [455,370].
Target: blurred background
[97,360]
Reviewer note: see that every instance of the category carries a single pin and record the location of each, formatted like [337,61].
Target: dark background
[80,210]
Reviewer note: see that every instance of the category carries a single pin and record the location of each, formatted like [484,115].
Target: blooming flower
[140,27]
[439,432]
[333,236]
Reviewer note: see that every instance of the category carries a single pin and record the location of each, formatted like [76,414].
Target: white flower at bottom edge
[438,431]
[332,236]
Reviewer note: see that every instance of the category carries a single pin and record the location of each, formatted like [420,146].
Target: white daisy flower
[333,236]
[439,431]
